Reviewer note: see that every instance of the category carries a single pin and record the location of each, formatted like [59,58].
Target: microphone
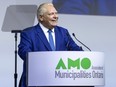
[81,42]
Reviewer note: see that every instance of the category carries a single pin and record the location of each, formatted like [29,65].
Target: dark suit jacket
[33,39]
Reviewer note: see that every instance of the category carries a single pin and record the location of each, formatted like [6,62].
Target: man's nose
[55,15]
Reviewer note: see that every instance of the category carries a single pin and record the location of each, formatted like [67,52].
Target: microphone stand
[15,74]
[81,42]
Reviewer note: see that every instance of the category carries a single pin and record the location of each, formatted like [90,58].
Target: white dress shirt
[45,30]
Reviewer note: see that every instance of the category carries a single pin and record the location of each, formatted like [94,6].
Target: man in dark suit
[36,38]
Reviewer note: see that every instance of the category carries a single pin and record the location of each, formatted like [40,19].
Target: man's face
[50,17]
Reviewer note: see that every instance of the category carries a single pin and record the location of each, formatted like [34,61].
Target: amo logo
[85,63]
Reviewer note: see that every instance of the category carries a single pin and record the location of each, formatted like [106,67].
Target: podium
[65,68]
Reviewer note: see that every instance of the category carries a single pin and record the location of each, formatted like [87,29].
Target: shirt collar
[45,29]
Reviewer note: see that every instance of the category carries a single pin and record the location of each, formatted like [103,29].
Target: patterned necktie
[51,41]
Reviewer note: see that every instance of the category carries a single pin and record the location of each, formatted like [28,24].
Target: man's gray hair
[41,9]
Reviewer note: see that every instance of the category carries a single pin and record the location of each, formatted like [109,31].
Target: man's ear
[40,17]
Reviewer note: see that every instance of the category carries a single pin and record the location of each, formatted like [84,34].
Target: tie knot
[49,31]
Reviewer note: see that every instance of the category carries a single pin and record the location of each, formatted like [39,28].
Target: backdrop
[97,31]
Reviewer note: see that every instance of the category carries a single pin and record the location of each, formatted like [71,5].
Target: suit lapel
[57,38]
[43,38]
